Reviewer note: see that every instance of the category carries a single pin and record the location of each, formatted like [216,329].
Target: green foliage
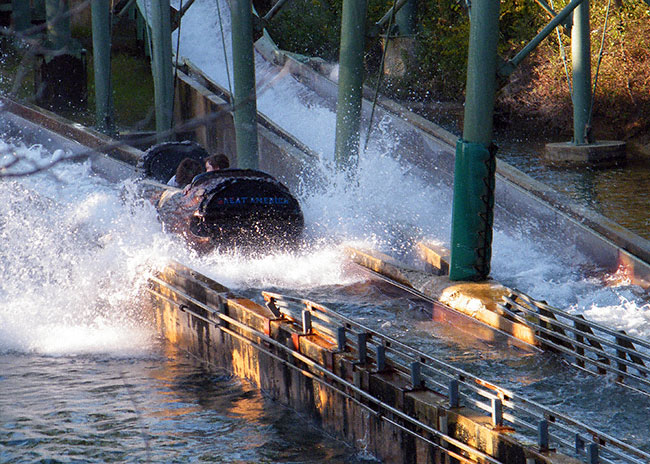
[312,27]
[441,48]
[537,92]
[309,27]
[16,76]
[133,103]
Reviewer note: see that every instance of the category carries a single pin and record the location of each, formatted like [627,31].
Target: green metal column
[101,18]
[244,98]
[161,64]
[348,106]
[405,19]
[22,15]
[58,23]
[472,211]
[581,59]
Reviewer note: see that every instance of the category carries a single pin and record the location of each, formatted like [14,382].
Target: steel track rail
[381,405]
[555,323]
[567,425]
[588,348]
[570,426]
[591,324]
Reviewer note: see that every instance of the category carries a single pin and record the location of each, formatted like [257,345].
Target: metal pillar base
[598,154]
[472,211]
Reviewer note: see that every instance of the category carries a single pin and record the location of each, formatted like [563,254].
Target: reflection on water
[620,193]
[159,408]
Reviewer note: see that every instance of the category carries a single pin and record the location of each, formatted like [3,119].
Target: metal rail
[418,294]
[344,387]
[524,413]
[551,334]
[584,342]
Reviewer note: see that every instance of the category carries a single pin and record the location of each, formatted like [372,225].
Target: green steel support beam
[548,8]
[350,93]
[161,64]
[125,8]
[186,6]
[101,21]
[548,29]
[473,206]
[581,61]
[274,11]
[398,6]
[244,98]
[22,15]
[405,19]
[57,16]
[544,4]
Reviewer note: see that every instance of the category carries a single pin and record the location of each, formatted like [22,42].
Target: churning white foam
[74,258]
[387,206]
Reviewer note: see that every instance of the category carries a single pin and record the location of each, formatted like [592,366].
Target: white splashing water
[388,204]
[73,260]
[76,252]
[73,269]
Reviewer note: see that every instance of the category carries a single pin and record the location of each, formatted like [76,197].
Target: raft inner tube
[245,207]
[160,161]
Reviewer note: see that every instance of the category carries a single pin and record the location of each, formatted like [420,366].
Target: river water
[154,407]
[620,193]
[83,378]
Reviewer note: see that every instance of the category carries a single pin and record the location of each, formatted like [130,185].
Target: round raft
[161,160]
[242,208]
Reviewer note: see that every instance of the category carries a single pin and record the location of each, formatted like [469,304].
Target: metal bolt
[542,435]
[454,394]
[356,378]
[444,428]
[381,358]
[363,350]
[592,453]
[416,376]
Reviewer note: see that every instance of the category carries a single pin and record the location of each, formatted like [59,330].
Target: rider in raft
[241,208]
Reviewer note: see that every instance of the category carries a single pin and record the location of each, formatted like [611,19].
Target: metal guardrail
[535,421]
[368,402]
[588,345]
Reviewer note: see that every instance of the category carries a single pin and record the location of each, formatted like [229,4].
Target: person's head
[187,170]
[216,162]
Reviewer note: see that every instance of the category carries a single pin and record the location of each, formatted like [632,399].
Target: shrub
[536,94]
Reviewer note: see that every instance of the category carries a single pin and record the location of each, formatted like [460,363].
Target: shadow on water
[162,407]
[620,193]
